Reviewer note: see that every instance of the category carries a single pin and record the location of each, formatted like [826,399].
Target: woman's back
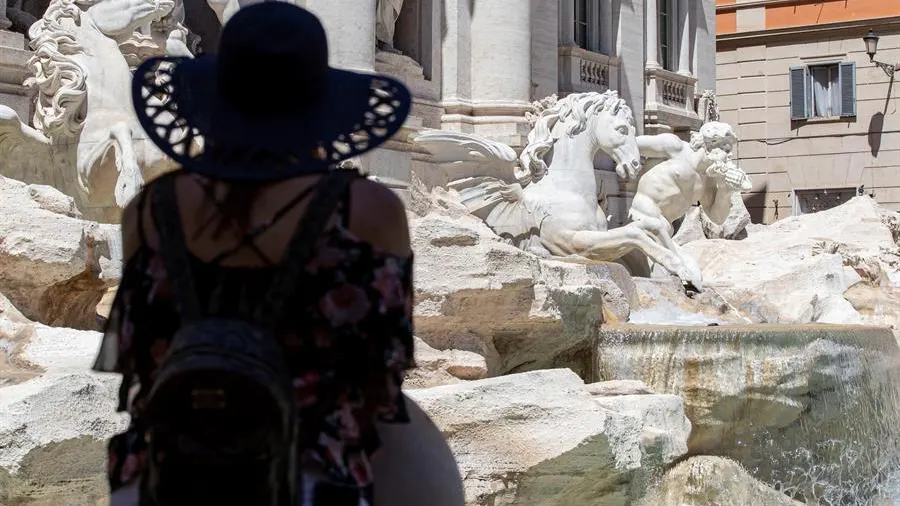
[219,333]
[355,306]
[375,215]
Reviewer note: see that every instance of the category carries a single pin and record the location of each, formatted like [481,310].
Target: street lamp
[871,41]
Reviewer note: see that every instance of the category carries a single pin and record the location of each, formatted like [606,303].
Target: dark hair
[233,209]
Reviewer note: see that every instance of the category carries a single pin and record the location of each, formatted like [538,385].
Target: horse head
[614,131]
[596,121]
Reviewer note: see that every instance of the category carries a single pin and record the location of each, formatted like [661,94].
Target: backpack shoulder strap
[329,192]
[172,246]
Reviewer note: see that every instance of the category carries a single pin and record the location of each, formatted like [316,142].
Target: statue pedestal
[398,65]
[13,71]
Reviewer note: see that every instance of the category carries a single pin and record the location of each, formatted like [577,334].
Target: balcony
[670,103]
[581,70]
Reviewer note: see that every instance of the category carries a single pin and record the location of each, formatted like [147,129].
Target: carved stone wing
[24,151]
[462,155]
[483,172]
[501,205]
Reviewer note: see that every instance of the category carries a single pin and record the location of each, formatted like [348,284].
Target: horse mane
[59,78]
[573,112]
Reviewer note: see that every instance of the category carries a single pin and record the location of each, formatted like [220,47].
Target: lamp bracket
[888,69]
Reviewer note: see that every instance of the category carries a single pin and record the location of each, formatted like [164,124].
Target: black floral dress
[349,346]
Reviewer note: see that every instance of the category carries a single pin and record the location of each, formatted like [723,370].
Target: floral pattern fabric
[348,345]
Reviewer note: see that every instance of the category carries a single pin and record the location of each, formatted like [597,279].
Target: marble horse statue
[702,170]
[552,210]
[85,139]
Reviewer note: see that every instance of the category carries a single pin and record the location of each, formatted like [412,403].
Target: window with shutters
[823,91]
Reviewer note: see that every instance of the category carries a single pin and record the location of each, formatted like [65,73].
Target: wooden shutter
[847,79]
[799,93]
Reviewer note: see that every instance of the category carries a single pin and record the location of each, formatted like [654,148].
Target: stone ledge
[12,39]
[13,69]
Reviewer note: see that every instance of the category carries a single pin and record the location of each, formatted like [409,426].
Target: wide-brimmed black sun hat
[268,105]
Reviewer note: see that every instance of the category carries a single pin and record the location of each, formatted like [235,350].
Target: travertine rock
[876,304]
[664,301]
[50,261]
[65,401]
[476,293]
[696,225]
[437,367]
[706,480]
[780,273]
[618,387]
[541,438]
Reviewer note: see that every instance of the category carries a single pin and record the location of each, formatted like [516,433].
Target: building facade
[476,66]
[817,118]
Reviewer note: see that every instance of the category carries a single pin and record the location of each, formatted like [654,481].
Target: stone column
[606,29]
[652,24]
[501,56]
[684,42]
[4,21]
[350,26]
[567,23]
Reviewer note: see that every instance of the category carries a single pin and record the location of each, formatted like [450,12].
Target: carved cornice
[485,108]
[669,75]
[843,29]
[566,50]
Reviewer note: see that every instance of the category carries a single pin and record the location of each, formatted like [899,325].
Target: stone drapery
[386,14]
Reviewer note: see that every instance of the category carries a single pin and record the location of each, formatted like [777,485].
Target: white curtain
[823,93]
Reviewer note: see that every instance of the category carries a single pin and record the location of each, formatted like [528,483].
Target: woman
[256,129]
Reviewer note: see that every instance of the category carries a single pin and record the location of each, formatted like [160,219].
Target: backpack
[220,416]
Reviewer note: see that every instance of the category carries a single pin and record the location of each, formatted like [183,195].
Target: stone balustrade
[581,70]
[671,101]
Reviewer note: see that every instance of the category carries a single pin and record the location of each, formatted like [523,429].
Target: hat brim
[177,102]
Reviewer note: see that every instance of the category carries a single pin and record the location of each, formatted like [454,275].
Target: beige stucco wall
[781,155]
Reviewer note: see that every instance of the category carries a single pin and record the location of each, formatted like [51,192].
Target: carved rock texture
[64,401]
[541,438]
[50,260]
[790,271]
[477,293]
[713,480]
[443,367]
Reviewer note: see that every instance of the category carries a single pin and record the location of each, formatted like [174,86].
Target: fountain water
[813,410]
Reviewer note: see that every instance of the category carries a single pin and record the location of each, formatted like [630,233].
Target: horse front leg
[130,179]
[611,245]
[661,231]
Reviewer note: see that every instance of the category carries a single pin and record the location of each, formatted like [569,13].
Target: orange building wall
[809,13]
[726,22]
[831,11]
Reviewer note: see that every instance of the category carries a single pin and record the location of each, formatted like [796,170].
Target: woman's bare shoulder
[378,216]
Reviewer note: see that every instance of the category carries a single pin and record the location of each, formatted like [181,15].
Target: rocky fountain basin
[813,410]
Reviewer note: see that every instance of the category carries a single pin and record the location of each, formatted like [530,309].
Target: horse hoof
[690,289]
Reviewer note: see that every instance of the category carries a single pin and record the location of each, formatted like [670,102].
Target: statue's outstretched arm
[659,146]
[118,18]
